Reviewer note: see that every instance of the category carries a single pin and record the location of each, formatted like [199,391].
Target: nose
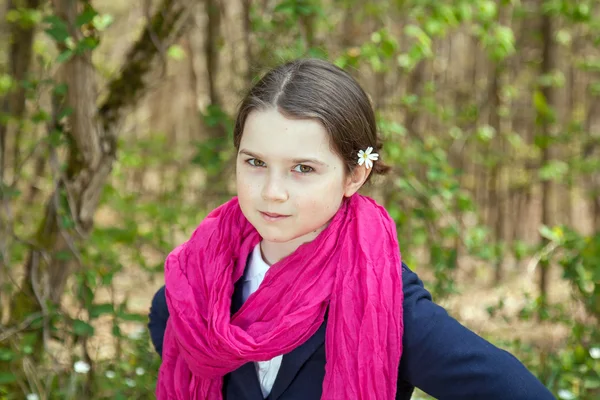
[274,189]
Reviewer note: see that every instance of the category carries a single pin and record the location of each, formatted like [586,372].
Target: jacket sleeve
[159,314]
[449,362]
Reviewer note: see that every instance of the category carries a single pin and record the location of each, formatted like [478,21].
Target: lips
[273,216]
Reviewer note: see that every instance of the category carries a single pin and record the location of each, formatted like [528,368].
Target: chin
[275,237]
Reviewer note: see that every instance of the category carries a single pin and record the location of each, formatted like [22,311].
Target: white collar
[257,266]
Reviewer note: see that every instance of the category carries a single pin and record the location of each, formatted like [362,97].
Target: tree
[90,136]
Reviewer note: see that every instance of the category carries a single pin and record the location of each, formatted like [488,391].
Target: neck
[273,252]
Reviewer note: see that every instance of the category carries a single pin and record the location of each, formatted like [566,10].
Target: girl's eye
[303,169]
[256,163]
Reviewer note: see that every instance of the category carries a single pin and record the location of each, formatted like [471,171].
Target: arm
[159,314]
[449,362]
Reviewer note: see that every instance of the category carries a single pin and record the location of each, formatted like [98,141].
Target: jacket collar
[246,377]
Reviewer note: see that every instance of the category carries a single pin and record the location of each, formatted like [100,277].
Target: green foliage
[430,194]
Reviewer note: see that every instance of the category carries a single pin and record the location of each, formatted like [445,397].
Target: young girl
[295,289]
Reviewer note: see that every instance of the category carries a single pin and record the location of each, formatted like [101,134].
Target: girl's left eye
[303,169]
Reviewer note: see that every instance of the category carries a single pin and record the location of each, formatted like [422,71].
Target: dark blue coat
[440,357]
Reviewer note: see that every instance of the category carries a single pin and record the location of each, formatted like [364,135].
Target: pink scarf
[353,268]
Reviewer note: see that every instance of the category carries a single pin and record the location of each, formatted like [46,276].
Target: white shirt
[266,370]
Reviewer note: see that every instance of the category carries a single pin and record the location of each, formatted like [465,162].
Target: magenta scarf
[353,268]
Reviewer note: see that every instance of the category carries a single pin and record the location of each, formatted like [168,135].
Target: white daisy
[367,157]
[595,353]
[565,394]
[33,396]
[110,374]
[81,367]
[140,371]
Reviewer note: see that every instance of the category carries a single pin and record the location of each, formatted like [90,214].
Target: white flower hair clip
[367,157]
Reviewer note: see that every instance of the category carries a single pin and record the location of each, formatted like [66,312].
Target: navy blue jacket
[440,357]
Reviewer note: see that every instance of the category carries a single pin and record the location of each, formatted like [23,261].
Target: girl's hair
[316,89]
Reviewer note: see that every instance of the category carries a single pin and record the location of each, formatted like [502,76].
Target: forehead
[272,134]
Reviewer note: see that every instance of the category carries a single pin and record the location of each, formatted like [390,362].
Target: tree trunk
[546,120]
[590,147]
[13,104]
[496,196]
[213,32]
[246,4]
[217,180]
[92,139]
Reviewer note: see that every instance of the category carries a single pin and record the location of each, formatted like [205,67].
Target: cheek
[244,185]
[323,201]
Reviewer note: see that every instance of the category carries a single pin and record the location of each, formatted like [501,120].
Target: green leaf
[97,310]
[465,11]
[505,42]
[87,44]
[548,233]
[82,328]
[65,112]
[6,83]
[65,56]
[56,138]
[13,16]
[176,52]
[6,354]
[61,89]
[7,378]
[101,22]
[86,294]
[286,6]
[9,192]
[486,133]
[67,222]
[555,170]
[86,16]
[40,116]
[63,255]
[116,331]
[388,48]
[487,9]
[127,316]
[58,29]
[405,61]
[540,104]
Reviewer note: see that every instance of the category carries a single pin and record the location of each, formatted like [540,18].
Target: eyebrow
[295,160]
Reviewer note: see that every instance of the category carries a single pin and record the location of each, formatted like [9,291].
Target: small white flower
[130,382]
[140,371]
[33,396]
[367,157]
[81,367]
[595,353]
[565,394]
[110,374]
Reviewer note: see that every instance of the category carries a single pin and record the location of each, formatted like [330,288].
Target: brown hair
[315,89]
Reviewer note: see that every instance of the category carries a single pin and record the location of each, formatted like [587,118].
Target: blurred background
[115,141]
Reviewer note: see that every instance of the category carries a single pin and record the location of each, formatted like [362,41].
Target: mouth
[272,216]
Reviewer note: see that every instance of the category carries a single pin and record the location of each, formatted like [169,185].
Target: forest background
[115,141]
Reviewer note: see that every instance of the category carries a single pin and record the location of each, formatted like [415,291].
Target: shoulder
[159,308]
[413,289]
[420,314]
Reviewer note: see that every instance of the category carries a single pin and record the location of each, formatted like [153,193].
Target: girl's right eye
[256,162]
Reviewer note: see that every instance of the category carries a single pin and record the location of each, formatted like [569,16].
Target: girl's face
[289,181]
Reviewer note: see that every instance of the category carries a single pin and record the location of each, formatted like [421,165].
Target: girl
[295,289]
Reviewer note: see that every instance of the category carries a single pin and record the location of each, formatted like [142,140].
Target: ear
[356,179]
